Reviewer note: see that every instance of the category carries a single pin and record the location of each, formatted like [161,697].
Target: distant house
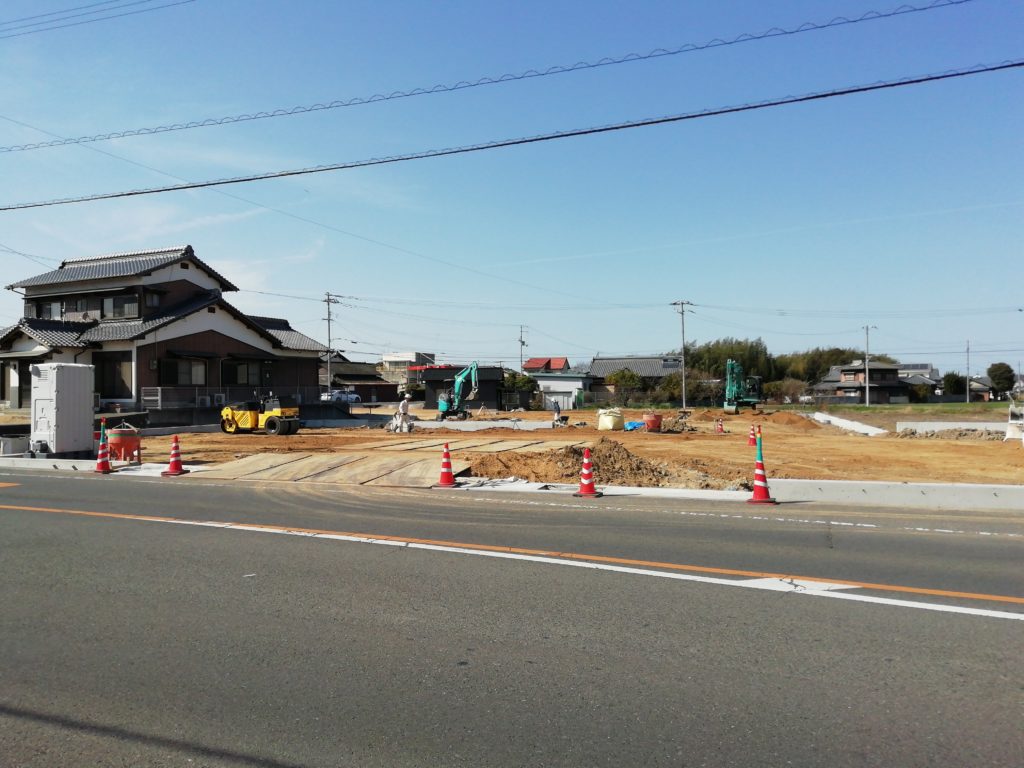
[651,368]
[395,367]
[159,332]
[365,381]
[568,388]
[847,383]
[546,365]
[927,370]
[981,388]
[438,378]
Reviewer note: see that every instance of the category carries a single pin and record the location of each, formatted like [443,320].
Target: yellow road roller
[275,415]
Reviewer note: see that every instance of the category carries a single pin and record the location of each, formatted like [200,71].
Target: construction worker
[556,414]
[403,413]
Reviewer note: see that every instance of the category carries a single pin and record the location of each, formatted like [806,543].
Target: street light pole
[682,349]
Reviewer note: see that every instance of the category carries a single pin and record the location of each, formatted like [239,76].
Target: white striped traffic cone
[587,488]
[447,477]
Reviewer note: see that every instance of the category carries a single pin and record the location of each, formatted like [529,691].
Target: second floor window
[120,306]
[49,310]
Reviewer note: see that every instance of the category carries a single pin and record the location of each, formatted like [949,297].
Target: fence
[159,398]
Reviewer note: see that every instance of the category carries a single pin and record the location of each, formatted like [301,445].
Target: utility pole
[522,344]
[867,370]
[682,349]
[968,371]
[329,299]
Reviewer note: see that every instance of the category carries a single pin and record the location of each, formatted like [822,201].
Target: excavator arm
[470,373]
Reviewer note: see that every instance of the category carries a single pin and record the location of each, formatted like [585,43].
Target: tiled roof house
[151,322]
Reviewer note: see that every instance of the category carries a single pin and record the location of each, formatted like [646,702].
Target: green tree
[919,393]
[1002,376]
[627,383]
[954,384]
[520,382]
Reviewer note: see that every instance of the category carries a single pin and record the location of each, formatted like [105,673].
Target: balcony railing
[161,398]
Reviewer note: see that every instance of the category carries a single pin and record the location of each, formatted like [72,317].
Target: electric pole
[968,371]
[867,370]
[682,349]
[522,344]
[329,299]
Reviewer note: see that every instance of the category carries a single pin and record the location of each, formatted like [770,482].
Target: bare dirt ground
[697,457]
[794,447]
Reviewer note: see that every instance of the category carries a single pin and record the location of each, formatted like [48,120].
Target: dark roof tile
[119,265]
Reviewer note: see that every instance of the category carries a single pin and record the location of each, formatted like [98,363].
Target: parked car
[340,396]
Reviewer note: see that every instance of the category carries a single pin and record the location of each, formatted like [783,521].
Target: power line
[93,21]
[485,81]
[314,222]
[31,257]
[120,4]
[58,13]
[503,143]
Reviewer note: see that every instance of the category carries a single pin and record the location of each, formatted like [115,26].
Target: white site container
[62,415]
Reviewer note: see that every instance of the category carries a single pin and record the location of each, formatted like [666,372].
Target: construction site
[708,449]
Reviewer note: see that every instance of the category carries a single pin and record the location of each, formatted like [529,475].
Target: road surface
[170,623]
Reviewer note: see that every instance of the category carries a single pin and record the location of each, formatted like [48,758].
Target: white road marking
[760,518]
[792,587]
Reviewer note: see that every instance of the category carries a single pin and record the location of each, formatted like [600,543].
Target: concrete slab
[367,467]
[248,465]
[423,474]
[462,445]
[395,443]
[474,426]
[505,445]
[315,466]
[310,464]
[553,445]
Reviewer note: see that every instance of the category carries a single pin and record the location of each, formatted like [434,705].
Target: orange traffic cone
[103,458]
[761,495]
[752,440]
[587,478]
[447,477]
[174,468]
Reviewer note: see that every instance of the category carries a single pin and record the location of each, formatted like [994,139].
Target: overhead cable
[485,81]
[502,143]
[52,25]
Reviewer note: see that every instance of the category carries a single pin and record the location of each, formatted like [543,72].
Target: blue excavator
[451,403]
[740,391]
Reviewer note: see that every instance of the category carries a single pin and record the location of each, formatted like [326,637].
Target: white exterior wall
[220,321]
[564,390]
[174,272]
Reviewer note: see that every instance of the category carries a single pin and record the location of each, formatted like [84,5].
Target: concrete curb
[933,496]
[924,495]
[941,426]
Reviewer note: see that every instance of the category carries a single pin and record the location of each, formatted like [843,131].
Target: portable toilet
[62,416]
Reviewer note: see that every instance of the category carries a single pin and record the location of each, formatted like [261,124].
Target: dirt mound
[705,415]
[613,463]
[791,420]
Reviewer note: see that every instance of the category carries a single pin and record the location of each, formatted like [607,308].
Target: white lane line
[762,518]
[791,586]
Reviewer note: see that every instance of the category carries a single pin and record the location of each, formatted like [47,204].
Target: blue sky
[899,209]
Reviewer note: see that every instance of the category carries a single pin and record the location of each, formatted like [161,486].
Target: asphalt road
[496,629]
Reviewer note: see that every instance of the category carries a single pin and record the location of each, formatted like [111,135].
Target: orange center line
[624,561]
